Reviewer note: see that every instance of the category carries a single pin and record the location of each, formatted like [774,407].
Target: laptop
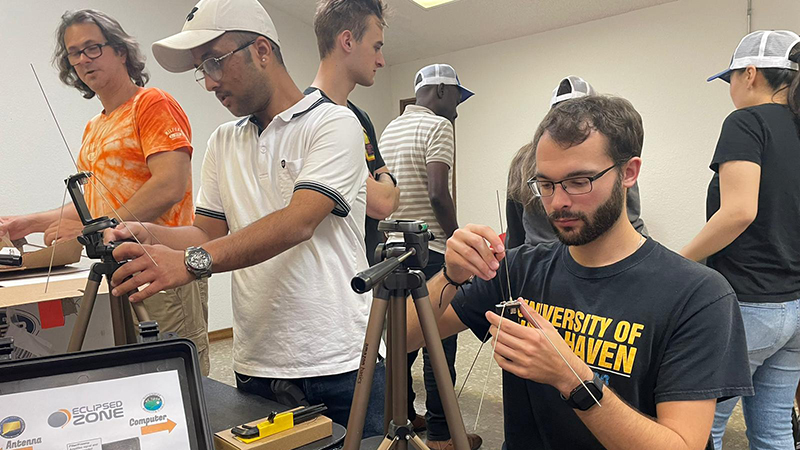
[135,397]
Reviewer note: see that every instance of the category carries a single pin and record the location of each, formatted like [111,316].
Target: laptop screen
[139,406]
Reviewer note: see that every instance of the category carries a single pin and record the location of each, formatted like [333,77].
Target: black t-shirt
[655,326]
[374,162]
[763,263]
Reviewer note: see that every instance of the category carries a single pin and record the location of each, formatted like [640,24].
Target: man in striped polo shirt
[419,147]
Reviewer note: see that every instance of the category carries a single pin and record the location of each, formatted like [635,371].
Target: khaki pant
[184,310]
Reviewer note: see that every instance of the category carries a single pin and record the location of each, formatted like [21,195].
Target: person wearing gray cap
[526,220]
[282,204]
[751,238]
[419,147]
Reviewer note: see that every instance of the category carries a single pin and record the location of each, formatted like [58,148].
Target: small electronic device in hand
[509,310]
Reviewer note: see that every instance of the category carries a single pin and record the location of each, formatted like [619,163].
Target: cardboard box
[302,434]
[41,322]
[67,252]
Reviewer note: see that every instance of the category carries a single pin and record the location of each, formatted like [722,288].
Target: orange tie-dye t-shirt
[115,148]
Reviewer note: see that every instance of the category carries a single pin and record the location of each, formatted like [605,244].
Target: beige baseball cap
[208,20]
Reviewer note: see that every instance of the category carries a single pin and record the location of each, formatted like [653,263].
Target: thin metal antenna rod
[508,277]
[489,369]
[55,246]
[54,118]
[464,384]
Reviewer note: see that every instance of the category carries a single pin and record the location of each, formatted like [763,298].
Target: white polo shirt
[295,315]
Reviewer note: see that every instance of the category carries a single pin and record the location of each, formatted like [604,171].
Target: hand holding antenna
[526,352]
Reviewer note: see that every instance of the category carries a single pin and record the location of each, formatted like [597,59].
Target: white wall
[658,58]
[33,159]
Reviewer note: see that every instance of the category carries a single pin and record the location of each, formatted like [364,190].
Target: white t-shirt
[408,144]
[295,315]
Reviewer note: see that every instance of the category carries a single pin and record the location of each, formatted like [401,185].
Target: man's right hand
[16,227]
[127,231]
[468,253]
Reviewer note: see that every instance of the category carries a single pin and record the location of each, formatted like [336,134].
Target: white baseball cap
[208,20]
[764,50]
[574,87]
[437,74]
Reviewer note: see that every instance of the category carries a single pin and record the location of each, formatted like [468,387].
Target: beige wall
[658,58]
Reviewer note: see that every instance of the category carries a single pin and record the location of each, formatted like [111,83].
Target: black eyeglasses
[92,52]
[212,67]
[572,186]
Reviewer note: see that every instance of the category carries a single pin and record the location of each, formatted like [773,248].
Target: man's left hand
[526,353]
[168,271]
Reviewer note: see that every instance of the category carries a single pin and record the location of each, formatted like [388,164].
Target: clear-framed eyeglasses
[572,186]
[212,67]
[92,52]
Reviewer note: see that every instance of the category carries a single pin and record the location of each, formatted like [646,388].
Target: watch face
[585,398]
[199,260]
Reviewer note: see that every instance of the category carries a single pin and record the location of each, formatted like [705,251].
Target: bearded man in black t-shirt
[654,339]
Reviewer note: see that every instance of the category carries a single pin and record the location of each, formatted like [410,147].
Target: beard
[253,97]
[603,219]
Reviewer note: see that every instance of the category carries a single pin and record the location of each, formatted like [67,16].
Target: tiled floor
[490,423]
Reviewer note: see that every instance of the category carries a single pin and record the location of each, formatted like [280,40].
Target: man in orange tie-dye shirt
[139,149]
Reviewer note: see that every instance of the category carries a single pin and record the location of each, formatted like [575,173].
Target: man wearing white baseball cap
[419,147]
[282,205]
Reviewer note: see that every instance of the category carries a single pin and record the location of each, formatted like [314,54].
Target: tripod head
[410,253]
[92,236]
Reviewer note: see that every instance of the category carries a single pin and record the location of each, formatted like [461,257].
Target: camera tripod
[92,239]
[393,280]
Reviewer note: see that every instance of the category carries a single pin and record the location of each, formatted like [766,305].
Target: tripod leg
[388,401]
[131,336]
[387,443]
[141,313]
[418,443]
[398,354]
[427,320]
[118,320]
[82,322]
[127,314]
[369,358]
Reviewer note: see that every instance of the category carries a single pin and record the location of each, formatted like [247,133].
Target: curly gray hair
[116,37]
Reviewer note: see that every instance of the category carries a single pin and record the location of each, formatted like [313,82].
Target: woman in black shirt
[752,235]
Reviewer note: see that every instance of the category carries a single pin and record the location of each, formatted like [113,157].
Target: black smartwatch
[581,397]
[394,180]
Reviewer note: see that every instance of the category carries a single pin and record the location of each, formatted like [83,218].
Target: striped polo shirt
[408,144]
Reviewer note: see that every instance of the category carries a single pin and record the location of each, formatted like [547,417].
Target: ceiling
[416,33]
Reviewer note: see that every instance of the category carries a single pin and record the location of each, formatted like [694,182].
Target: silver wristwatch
[198,262]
